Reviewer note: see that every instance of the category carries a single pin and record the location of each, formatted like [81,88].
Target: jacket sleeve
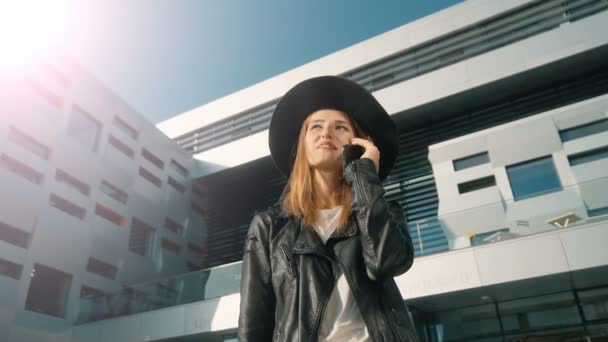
[257,307]
[387,246]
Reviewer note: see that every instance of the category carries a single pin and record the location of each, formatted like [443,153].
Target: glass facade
[584,130]
[474,160]
[533,178]
[566,316]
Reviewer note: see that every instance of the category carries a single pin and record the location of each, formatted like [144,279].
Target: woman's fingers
[371,151]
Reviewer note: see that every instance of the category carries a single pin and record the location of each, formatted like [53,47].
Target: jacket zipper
[324,304]
[290,259]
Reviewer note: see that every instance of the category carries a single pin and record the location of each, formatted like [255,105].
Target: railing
[562,208]
[182,289]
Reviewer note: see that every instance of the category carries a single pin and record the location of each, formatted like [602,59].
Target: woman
[319,265]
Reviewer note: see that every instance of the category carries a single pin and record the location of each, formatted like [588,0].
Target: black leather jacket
[289,274]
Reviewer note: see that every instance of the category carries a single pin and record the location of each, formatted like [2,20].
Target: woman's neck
[327,187]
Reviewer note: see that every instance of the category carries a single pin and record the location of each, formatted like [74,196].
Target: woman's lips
[327,146]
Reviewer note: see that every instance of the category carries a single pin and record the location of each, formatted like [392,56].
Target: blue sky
[167,57]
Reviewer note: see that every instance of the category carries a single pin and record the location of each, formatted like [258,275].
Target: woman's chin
[328,165]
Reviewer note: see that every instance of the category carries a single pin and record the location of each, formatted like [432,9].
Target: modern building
[94,199]
[502,109]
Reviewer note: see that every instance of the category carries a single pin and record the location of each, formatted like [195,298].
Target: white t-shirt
[341,320]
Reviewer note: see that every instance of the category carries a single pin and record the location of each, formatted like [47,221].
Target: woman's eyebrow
[321,120]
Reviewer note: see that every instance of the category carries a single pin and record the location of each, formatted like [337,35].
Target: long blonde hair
[299,198]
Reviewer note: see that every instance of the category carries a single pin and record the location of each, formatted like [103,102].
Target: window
[113,192]
[476,184]
[45,93]
[176,185]
[533,178]
[588,156]
[96,295]
[198,250]
[48,292]
[29,143]
[594,303]
[122,147]
[21,169]
[584,130]
[73,182]
[470,161]
[101,268]
[198,209]
[10,269]
[83,128]
[179,168]
[193,267]
[14,236]
[125,127]
[480,239]
[553,310]
[110,215]
[67,206]
[150,177]
[170,246]
[597,211]
[152,158]
[140,238]
[173,226]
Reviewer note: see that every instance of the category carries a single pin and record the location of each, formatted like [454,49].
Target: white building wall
[492,208]
[62,241]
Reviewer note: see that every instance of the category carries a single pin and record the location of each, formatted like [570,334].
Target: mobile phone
[350,153]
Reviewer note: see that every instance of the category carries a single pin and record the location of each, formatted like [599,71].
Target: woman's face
[328,130]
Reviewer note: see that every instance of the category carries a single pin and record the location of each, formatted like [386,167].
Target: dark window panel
[125,127]
[84,128]
[179,168]
[10,269]
[176,185]
[533,178]
[476,184]
[27,142]
[170,246]
[198,250]
[113,192]
[198,209]
[588,156]
[173,226]
[152,158]
[20,169]
[52,98]
[122,147]
[48,291]
[110,215]
[102,268]
[150,177]
[67,206]
[80,186]
[13,235]
[584,130]
[140,238]
[470,161]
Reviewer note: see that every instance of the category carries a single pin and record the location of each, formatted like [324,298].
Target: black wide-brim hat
[330,92]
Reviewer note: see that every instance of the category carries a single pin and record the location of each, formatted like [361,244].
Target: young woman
[319,265]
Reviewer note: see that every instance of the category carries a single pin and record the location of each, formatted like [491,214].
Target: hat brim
[330,92]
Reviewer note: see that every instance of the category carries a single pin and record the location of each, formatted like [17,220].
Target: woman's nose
[325,132]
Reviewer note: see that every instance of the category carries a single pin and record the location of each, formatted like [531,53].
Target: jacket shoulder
[270,219]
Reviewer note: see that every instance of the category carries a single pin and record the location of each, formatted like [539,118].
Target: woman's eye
[315,126]
[343,127]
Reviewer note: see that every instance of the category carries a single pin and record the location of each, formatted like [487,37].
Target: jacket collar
[308,241]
